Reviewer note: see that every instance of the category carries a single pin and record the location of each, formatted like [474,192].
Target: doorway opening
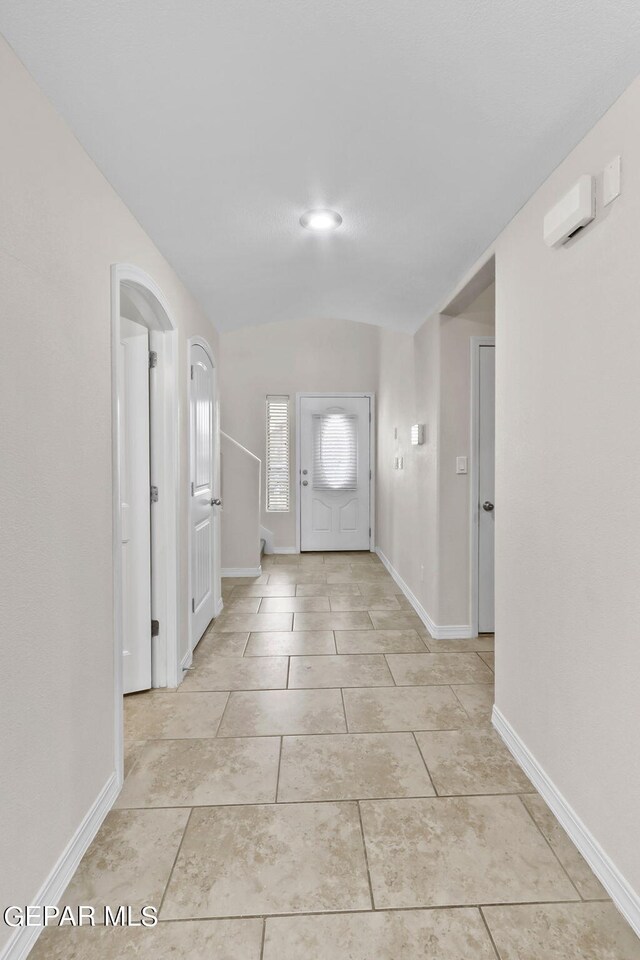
[482,484]
[145,489]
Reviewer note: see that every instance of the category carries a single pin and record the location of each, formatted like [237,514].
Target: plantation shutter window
[278,492]
[335,452]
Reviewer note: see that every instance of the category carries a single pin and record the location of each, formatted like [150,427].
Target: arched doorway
[145,453]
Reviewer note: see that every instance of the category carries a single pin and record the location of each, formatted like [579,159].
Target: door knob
[216,503]
[305,483]
[488,506]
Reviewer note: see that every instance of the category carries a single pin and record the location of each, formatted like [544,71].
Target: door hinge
[193,489]
[192,371]
[155,628]
[370,475]
[154,494]
[153,359]
[369,531]
[193,605]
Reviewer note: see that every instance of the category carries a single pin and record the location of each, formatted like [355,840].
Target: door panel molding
[372,458]
[476,343]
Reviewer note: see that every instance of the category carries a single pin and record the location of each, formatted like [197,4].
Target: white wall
[423,510]
[62,229]
[407,521]
[289,358]
[568,491]
[240,514]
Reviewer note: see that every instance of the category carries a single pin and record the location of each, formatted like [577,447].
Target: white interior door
[486,481]
[204,510]
[135,507]
[334,473]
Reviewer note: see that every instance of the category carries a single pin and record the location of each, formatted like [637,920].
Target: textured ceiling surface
[425,123]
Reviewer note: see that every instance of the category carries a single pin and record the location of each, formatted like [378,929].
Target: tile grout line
[277,774]
[462,706]
[364,911]
[175,860]
[540,831]
[215,736]
[366,856]
[344,710]
[489,934]
[334,800]
[385,655]
[264,931]
[426,766]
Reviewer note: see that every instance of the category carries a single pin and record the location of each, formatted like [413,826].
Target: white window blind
[277,454]
[335,451]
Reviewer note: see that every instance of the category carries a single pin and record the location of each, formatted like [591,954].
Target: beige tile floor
[326,785]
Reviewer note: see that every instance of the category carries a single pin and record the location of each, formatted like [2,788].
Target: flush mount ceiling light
[321,220]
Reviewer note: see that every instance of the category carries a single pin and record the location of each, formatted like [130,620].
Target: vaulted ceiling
[425,123]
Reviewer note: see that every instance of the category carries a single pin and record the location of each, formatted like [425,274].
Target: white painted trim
[242,571]
[474,475]
[23,939]
[219,607]
[187,660]
[437,631]
[288,550]
[623,895]
[153,310]
[372,465]
[217,434]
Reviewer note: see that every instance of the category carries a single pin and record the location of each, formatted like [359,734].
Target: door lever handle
[488,506]
[216,503]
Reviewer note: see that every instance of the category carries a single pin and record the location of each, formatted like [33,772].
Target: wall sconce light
[417,434]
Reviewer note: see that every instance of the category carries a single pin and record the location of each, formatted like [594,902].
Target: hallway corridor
[325,777]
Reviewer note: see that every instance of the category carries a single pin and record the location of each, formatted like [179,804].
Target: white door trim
[372,461]
[474,474]
[217,584]
[136,292]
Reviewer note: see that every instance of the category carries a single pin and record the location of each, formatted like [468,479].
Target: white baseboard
[285,550]
[620,891]
[187,660]
[219,607]
[23,938]
[437,631]
[242,571]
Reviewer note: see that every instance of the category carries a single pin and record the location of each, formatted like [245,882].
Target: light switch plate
[461,464]
[611,181]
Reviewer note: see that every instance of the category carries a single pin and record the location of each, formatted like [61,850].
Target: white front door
[135,510]
[203,493]
[486,481]
[334,473]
